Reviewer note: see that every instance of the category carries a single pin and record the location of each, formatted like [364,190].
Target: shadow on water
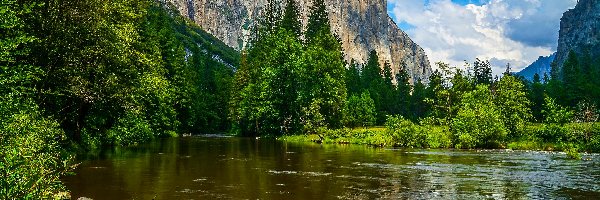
[245,168]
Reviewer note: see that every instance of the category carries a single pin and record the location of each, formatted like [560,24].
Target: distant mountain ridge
[541,66]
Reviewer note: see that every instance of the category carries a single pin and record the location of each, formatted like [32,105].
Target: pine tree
[290,19]
[536,96]
[318,21]
[353,80]
[571,76]
[402,94]
[483,72]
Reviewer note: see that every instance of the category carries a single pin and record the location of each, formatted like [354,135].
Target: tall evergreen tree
[571,77]
[318,21]
[290,19]
[536,97]
[483,72]
[323,75]
[402,94]
[353,80]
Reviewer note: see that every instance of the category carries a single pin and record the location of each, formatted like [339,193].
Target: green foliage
[552,133]
[405,133]
[572,152]
[479,122]
[555,113]
[512,101]
[290,19]
[318,21]
[267,90]
[438,136]
[353,80]
[360,111]
[130,130]
[536,95]
[323,77]
[32,160]
[483,72]
[312,119]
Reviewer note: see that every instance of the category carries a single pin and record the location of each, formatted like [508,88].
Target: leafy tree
[318,21]
[323,73]
[437,95]
[270,76]
[31,157]
[554,113]
[373,81]
[513,104]
[572,77]
[387,91]
[420,108]
[360,110]
[478,122]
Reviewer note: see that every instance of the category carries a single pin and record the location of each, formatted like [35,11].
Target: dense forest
[79,75]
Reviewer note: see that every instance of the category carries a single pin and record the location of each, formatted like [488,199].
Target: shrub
[572,152]
[555,113]
[552,133]
[31,159]
[130,130]
[360,111]
[405,133]
[478,122]
[438,136]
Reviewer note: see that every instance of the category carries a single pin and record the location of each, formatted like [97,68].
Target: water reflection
[240,168]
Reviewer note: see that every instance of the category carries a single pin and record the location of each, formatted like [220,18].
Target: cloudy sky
[503,31]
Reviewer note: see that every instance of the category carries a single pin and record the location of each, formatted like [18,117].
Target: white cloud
[503,31]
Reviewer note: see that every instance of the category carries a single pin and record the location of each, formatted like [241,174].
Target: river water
[246,168]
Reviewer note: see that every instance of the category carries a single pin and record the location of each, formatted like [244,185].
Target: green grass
[571,138]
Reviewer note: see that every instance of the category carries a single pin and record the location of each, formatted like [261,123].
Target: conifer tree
[290,19]
[323,73]
[483,72]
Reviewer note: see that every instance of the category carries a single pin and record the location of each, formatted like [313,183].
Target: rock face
[541,66]
[362,26]
[580,31]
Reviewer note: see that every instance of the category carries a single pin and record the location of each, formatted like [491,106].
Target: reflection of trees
[248,168]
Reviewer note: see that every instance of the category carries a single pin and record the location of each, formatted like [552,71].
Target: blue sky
[502,31]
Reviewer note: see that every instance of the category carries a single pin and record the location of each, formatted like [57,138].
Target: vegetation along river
[246,168]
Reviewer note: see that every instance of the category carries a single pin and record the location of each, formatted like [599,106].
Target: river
[246,168]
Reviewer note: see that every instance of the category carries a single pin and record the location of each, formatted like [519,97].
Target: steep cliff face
[362,25]
[580,31]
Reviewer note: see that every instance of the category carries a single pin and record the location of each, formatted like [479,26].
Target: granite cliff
[580,31]
[362,26]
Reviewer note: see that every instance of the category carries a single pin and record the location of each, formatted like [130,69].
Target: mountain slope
[362,26]
[541,66]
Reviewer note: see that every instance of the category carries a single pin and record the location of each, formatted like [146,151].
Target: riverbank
[571,138]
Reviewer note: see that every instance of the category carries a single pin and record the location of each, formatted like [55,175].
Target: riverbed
[246,168]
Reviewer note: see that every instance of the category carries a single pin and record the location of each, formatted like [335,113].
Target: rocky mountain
[362,26]
[541,66]
[580,31]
